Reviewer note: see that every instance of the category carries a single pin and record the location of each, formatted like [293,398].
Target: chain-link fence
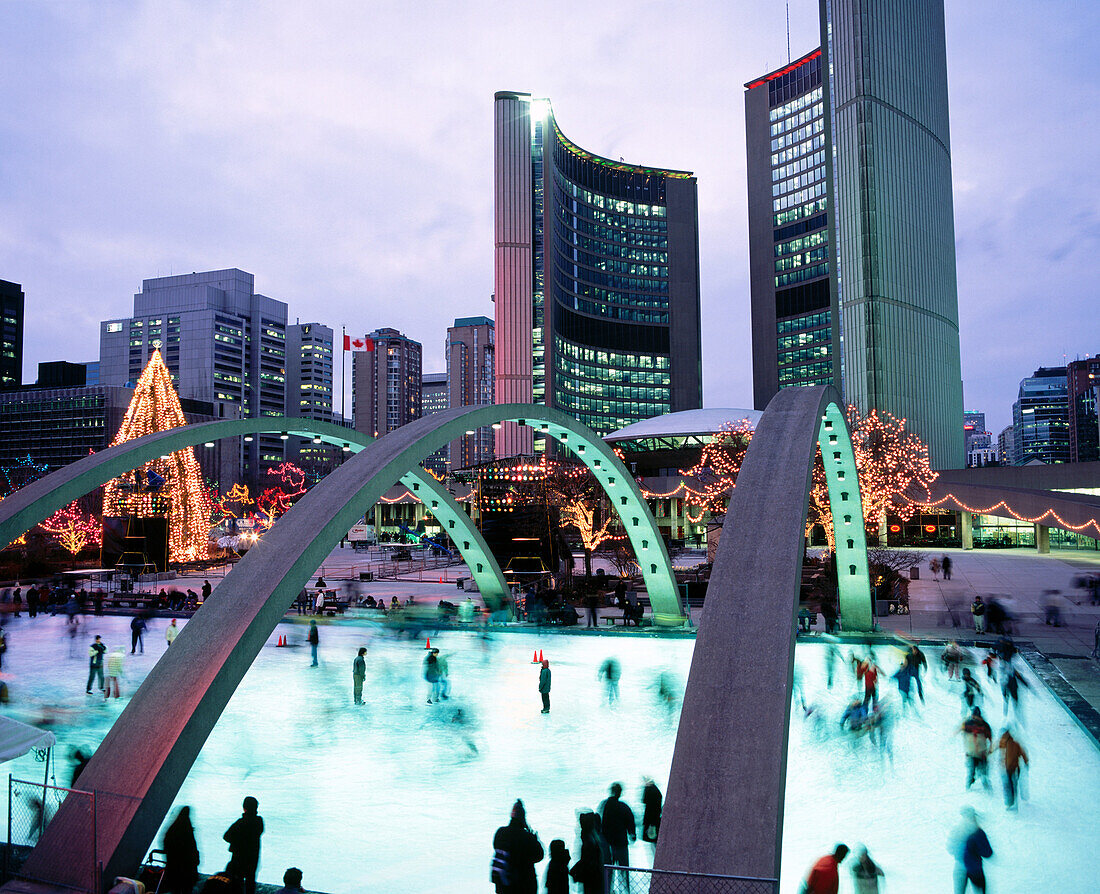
[31,808]
[633,880]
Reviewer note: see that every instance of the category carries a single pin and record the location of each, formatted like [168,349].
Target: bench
[333,607]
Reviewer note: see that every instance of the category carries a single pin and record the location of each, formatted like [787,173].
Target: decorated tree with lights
[171,485]
[73,529]
[582,505]
[277,499]
[708,483]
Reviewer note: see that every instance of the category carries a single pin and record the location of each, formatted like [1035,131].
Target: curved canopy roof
[684,423]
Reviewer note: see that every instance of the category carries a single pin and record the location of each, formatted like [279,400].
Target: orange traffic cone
[540,656]
[534,657]
[428,644]
[441,580]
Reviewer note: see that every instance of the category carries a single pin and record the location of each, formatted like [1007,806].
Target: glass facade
[1040,418]
[610,329]
[11,334]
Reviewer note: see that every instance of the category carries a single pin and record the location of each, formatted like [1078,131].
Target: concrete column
[882,528]
[378,522]
[966,529]
[1042,538]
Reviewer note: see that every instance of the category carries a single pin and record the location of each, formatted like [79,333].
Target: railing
[634,880]
[31,807]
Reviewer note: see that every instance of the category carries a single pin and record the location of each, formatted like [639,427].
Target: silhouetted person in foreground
[824,878]
[292,882]
[557,872]
[244,845]
[588,871]
[516,851]
[651,816]
[181,855]
[618,826]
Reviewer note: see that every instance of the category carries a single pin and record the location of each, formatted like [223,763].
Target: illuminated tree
[708,483]
[73,529]
[276,500]
[171,485]
[581,502]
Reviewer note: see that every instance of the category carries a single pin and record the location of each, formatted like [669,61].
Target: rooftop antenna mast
[788,33]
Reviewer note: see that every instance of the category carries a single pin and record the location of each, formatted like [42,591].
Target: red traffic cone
[441,580]
[534,657]
[540,656]
[428,644]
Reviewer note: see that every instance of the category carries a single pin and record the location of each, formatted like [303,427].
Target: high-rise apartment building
[470,383]
[221,341]
[793,294]
[385,382]
[11,334]
[852,255]
[1040,418]
[1006,446]
[309,391]
[1083,384]
[434,397]
[596,279]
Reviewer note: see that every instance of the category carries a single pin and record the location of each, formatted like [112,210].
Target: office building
[1040,418]
[309,392]
[385,382]
[1006,446]
[11,334]
[1083,386]
[793,294]
[221,341]
[852,246]
[470,383]
[433,398]
[596,279]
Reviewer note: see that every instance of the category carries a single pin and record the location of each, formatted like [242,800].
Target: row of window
[637,392]
[612,358]
[617,235]
[807,210]
[584,276]
[801,275]
[821,237]
[609,265]
[796,167]
[619,206]
[799,180]
[610,216]
[797,136]
[800,118]
[575,404]
[808,374]
[802,260]
[794,105]
[803,337]
[798,150]
[613,311]
[804,355]
[798,198]
[625,249]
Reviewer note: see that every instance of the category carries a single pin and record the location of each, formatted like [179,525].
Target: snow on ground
[402,796]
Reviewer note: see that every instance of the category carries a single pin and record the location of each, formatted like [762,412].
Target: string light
[155,407]
[73,529]
[994,510]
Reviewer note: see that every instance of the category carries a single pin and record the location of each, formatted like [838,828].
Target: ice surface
[397,797]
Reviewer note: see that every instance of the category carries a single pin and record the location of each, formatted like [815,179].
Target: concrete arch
[148,752]
[40,499]
[729,766]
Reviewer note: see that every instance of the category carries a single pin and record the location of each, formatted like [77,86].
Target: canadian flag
[347,342]
[358,342]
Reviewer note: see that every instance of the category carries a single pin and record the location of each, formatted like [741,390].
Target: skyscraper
[385,382]
[858,164]
[309,357]
[220,340]
[11,334]
[596,279]
[1083,382]
[433,399]
[1040,418]
[470,374]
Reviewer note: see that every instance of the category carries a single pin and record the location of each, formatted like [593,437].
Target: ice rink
[402,796]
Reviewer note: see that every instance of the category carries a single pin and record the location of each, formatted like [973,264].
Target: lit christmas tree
[171,485]
[73,529]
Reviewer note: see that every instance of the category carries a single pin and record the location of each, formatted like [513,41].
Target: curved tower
[596,279]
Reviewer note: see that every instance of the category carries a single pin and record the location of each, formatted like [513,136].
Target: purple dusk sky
[342,153]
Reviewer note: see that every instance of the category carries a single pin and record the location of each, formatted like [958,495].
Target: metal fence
[634,880]
[31,808]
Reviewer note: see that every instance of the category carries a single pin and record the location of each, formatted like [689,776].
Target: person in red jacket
[824,878]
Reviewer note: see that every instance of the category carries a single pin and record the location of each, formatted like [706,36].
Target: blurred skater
[977,739]
[866,873]
[314,640]
[358,675]
[544,686]
[970,847]
[589,870]
[137,634]
[1011,681]
[95,664]
[114,673]
[516,850]
[952,659]
[824,877]
[972,691]
[244,844]
[610,672]
[652,803]
[181,855]
[868,672]
[80,761]
[171,632]
[431,674]
[1012,752]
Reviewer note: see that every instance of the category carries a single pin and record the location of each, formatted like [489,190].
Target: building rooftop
[686,422]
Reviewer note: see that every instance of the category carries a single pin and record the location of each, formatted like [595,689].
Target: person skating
[358,675]
[95,664]
[1012,752]
[618,826]
[610,672]
[868,672]
[314,639]
[244,844]
[431,674]
[972,690]
[181,855]
[516,850]
[557,871]
[652,803]
[978,740]
[544,685]
[824,877]
[971,848]
[114,673]
[866,873]
[137,634]
[171,632]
